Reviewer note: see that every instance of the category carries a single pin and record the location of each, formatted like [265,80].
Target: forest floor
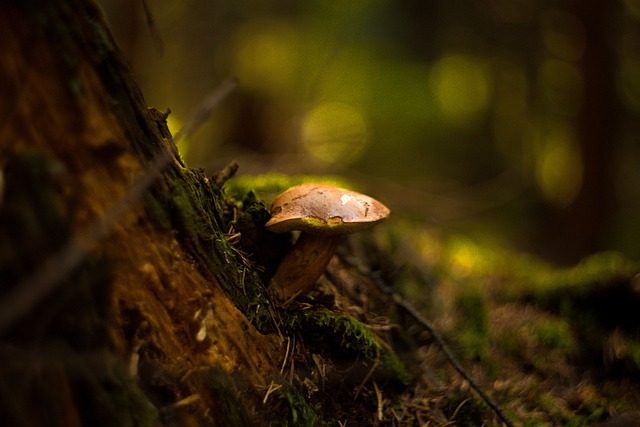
[552,346]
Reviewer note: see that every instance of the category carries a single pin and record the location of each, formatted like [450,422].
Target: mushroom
[323,214]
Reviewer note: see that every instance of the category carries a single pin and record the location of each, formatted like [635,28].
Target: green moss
[266,249]
[590,412]
[299,412]
[228,408]
[472,327]
[193,206]
[354,334]
[101,36]
[555,333]
[633,349]
[270,185]
[544,342]
[119,402]
[156,211]
[342,332]
[533,279]
[528,277]
[591,273]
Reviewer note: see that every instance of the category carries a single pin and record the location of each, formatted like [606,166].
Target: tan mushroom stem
[303,265]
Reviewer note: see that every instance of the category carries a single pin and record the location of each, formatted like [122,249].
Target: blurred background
[515,122]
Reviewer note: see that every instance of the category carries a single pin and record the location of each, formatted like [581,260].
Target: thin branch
[453,360]
[26,294]
[206,107]
[151,25]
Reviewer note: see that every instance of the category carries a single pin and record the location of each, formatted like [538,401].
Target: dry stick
[26,294]
[443,345]
[151,25]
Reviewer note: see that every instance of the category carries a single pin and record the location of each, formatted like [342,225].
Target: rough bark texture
[142,331]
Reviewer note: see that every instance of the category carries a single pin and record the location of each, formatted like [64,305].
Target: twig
[220,177]
[26,294]
[379,399]
[413,312]
[206,107]
[151,25]
[272,387]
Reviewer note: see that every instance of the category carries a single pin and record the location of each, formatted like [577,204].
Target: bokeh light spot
[335,132]
[461,87]
[559,167]
[465,256]
[265,55]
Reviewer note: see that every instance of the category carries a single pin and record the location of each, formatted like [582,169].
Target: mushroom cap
[324,210]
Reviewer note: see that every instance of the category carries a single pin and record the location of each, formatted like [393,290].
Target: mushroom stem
[303,265]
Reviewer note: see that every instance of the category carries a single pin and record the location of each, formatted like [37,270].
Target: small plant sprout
[323,214]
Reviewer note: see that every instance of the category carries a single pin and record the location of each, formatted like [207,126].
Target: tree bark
[147,328]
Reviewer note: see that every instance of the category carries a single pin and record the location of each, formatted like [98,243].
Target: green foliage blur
[513,121]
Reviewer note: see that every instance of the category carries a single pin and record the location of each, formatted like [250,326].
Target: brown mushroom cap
[324,210]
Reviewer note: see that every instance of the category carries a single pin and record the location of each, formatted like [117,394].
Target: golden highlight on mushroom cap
[324,210]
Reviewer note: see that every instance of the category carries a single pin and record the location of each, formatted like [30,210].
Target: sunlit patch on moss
[268,186]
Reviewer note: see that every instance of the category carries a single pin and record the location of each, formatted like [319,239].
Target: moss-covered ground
[551,345]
